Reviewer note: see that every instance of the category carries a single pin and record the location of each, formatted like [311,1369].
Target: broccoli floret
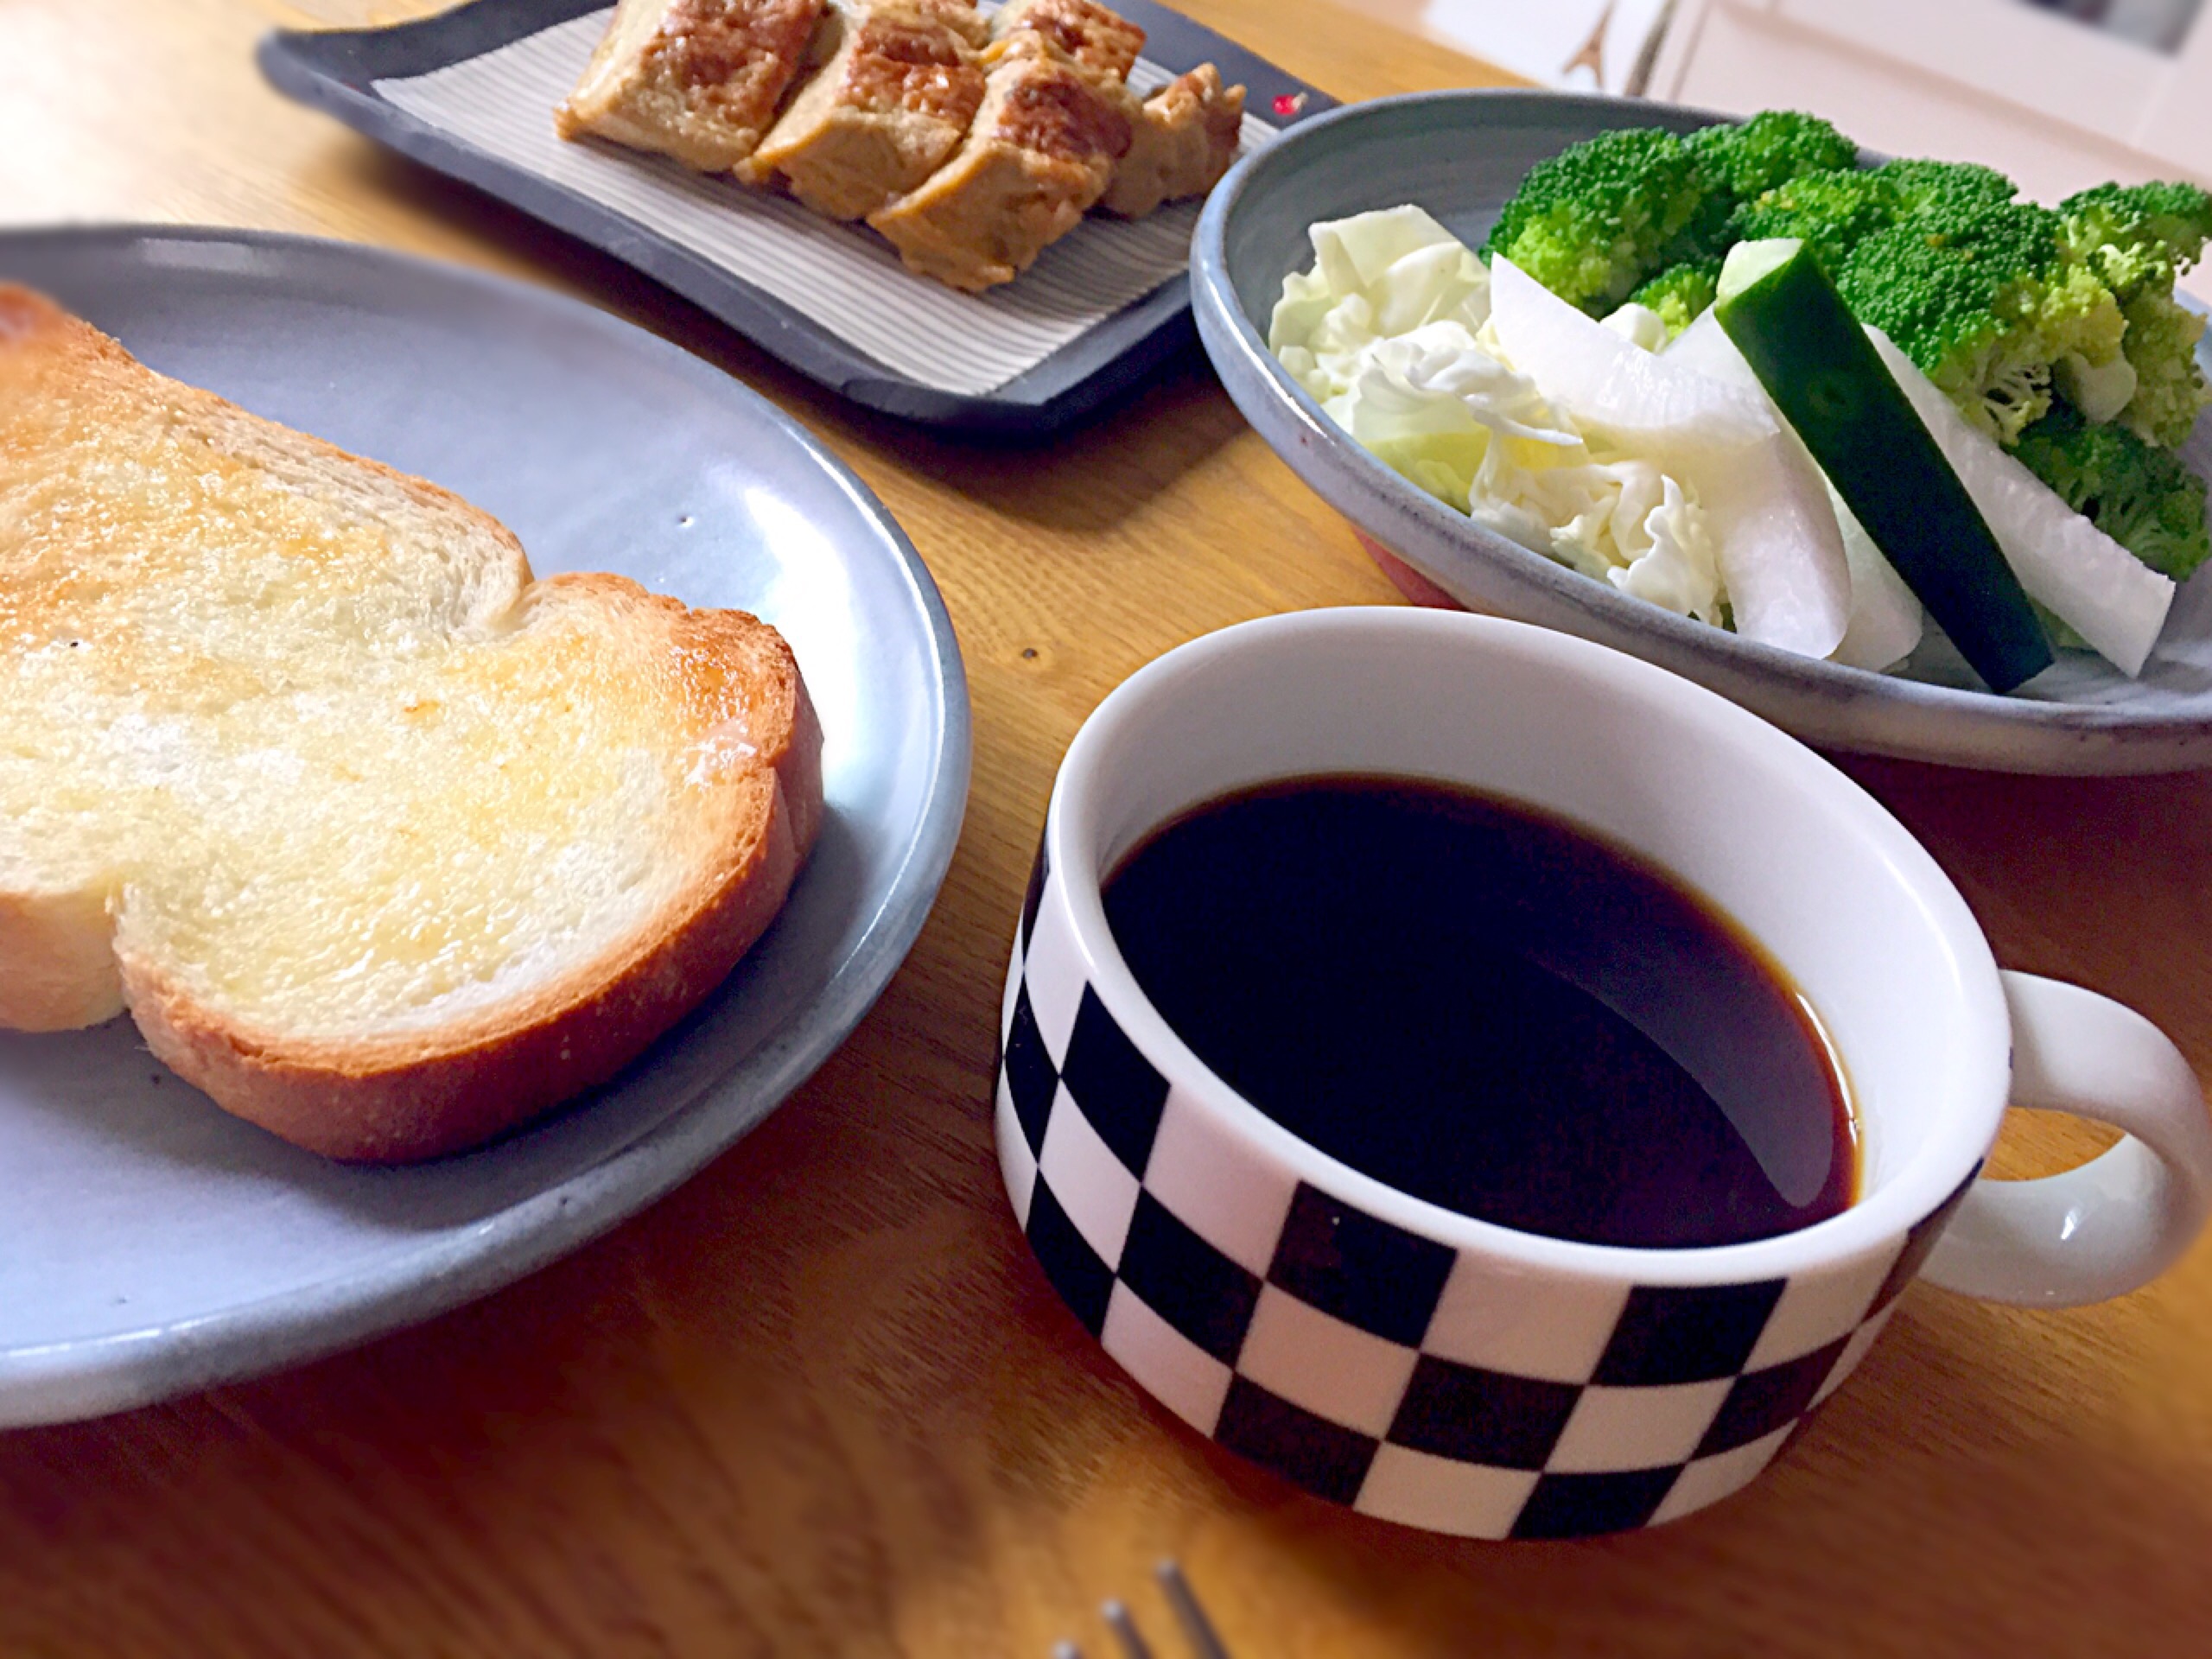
[2161,347]
[1986,293]
[1681,294]
[1979,296]
[2139,495]
[1704,239]
[1769,149]
[1831,212]
[1594,221]
[1946,186]
[2138,236]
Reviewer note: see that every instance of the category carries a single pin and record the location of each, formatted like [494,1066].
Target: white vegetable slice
[1886,618]
[2100,392]
[1603,380]
[1639,325]
[1766,507]
[1704,346]
[2092,583]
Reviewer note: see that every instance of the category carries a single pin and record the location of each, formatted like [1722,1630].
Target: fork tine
[1125,1630]
[1196,1627]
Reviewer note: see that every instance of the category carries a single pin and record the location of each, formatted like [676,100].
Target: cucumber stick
[1829,382]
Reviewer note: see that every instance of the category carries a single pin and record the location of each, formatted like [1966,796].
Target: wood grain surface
[821,1400]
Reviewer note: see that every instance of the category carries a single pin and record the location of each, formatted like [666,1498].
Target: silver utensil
[1182,1601]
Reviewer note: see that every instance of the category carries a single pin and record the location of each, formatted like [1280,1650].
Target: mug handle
[2117,1221]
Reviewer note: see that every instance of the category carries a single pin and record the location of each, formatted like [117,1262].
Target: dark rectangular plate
[335,71]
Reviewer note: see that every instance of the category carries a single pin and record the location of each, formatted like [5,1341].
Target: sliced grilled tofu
[891,104]
[1185,138]
[958,16]
[697,79]
[1040,152]
[1096,37]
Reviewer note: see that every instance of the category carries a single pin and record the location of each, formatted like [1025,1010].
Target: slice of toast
[1096,37]
[892,103]
[1041,150]
[697,79]
[1184,140]
[385,845]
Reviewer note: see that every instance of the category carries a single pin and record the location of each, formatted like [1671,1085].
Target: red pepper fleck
[1289,103]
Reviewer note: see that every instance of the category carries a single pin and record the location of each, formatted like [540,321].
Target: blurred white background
[1590,45]
[2058,94]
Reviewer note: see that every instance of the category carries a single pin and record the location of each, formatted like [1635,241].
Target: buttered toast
[383,843]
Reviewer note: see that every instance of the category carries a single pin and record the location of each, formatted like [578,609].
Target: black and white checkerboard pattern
[1368,1365]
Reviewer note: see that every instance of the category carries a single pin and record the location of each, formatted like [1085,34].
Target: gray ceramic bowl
[1460,155]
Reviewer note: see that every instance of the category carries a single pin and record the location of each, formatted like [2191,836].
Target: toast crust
[69,956]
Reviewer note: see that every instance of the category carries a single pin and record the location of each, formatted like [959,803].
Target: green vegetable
[2137,238]
[1980,297]
[1835,209]
[1831,212]
[1679,294]
[1771,149]
[1945,187]
[2142,497]
[2161,346]
[2139,235]
[1999,302]
[1602,217]
[1596,219]
[1787,318]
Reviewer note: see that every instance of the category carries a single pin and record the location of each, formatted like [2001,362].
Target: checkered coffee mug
[1430,1369]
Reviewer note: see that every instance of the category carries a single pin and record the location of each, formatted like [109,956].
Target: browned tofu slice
[958,16]
[1094,36]
[893,101]
[1185,138]
[697,79]
[1040,152]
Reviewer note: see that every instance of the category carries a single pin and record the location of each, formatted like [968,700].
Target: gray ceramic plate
[150,1244]
[1461,155]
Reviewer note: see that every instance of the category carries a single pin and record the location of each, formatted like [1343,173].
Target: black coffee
[1491,1009]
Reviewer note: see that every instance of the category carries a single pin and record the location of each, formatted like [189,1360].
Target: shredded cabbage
[1390,333]
[1374,276]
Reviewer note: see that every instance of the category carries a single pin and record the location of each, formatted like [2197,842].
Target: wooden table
[821,1400]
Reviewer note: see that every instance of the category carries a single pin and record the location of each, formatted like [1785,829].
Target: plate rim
[1965,725]
[1066,388]
[70,1380]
